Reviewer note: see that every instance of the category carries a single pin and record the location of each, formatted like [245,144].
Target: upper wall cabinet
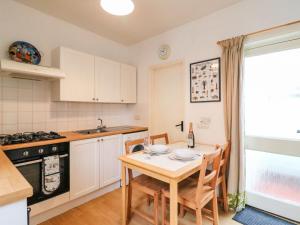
[93,79]
[107,80]
[128,84]
[78,85]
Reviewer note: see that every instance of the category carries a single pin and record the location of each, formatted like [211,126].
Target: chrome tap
[101,126]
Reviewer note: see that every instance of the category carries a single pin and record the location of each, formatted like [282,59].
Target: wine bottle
[191,137]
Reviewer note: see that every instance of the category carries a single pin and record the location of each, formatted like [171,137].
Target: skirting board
[34,220]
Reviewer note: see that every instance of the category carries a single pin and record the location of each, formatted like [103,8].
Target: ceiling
[151,17]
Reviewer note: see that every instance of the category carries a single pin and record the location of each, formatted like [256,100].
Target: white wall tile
[51,116]
[26,106]
[9,82]
[62,126]
[61,116]
[24,127]
[39,126]
[39,106]
[9,128]
[9,105]
[51,126]
[25,94]
[25,84]
[25,117]
[10,93]
[73,125]
[9,118]
[39,117]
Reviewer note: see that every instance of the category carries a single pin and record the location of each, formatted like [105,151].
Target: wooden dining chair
[148,185]
[160,136]
[196,194]
[221,182]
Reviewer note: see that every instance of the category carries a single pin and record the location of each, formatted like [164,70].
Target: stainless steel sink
[91,131]
[103,130]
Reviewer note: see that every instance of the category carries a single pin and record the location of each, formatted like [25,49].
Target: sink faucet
[101,126]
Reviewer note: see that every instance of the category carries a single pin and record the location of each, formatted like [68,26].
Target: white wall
[20,22]
[196,41]
[25,105]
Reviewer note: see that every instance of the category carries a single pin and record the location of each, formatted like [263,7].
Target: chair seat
[148,184]
[187,192]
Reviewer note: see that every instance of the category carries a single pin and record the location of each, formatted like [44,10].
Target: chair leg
[155,209]
[215,210]
[163,209]
[148,200]
[225,197]
[198,217]
[129,202]
[181,211]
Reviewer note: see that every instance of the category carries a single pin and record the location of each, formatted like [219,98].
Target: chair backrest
[130,149]
[160,136]
[209,179]
[224,160]
[138,143]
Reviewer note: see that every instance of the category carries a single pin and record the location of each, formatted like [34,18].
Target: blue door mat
[253,216]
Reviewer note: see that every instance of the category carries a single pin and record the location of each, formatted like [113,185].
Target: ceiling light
[117,7]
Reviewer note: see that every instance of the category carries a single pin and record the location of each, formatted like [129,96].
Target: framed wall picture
[205,81]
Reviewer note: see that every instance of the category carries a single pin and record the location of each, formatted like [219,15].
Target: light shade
[118,7]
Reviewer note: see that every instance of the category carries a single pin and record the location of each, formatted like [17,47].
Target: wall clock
[164,52]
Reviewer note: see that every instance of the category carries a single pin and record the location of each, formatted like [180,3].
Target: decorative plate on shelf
[21,51]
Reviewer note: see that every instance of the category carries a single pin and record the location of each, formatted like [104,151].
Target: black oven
[29,161]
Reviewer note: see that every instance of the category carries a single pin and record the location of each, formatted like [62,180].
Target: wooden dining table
[165,168]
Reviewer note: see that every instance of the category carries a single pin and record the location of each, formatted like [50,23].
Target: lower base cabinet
[94,164]
[84,167]
[110,166]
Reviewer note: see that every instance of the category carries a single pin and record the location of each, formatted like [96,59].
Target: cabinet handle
[94,99]
[122,100]
[102,139]
[98,140]
[97,99]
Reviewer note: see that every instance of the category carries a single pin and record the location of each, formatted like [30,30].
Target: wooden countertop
[71,136]
[14,187]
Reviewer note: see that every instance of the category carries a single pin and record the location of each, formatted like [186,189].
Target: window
[272,94]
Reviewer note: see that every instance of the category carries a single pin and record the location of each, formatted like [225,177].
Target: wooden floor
[106,210]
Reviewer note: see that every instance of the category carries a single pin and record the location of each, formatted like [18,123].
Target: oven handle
[37,161]
[28,163]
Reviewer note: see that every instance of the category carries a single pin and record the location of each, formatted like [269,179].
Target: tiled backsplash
[26,106]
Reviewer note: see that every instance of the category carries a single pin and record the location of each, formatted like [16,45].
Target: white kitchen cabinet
[92,79]
[78,85]
[110,166]
[107,80]
[84,167]
[128,84]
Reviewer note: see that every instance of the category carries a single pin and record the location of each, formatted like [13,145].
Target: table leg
[173,203]
[124,195]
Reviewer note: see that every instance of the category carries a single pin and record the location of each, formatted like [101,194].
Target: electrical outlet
[204,123]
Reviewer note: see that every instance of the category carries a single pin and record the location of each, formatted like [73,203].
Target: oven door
[32,171]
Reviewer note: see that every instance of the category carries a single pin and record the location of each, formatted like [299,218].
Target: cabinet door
[79,82]
[128,84]
[107,80]
[110,166]
[84,167]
